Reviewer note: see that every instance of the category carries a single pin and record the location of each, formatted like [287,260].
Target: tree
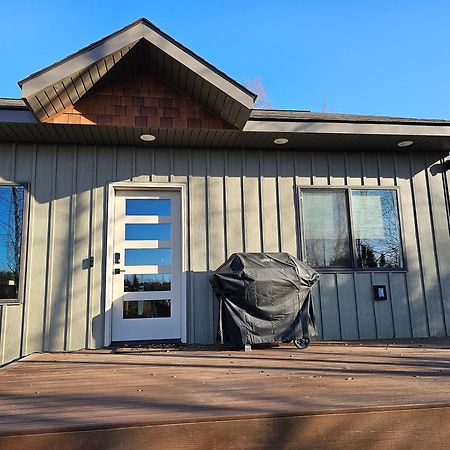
[136,285]
[256,86]
[11,211]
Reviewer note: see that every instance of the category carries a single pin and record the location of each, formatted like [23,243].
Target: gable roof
[138,45]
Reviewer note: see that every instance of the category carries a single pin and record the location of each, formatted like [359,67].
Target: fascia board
[198,67]
[79,62]
[346,128]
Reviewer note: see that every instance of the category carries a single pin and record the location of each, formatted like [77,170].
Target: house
[132,168]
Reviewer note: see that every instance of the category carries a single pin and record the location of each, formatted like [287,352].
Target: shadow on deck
[369,395]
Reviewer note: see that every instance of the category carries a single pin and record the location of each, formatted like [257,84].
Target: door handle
[118,271]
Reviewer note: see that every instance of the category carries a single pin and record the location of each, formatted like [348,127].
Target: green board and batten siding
[237,201]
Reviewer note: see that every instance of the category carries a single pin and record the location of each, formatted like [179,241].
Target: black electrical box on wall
[379,292]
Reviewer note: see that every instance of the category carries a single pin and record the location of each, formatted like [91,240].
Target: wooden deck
[328,396]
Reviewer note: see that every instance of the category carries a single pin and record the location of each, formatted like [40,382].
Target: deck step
[409,428]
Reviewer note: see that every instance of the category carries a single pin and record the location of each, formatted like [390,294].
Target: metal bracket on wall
[88,263]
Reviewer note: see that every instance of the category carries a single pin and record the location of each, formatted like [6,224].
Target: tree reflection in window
[372,235]
[11,224]
[376,228]
[147,282]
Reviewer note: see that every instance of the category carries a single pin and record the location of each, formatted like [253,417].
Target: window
[351,228]
[325,228]
[11,225]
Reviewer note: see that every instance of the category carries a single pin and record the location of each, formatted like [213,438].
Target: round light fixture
[281,141]
[148,137]
[405,143]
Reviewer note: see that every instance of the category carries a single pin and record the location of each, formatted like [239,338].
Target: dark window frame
[23,244]
[348,190]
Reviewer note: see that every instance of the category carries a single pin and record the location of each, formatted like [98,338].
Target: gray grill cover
[265,297]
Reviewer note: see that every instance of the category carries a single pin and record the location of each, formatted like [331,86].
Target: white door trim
[129,185]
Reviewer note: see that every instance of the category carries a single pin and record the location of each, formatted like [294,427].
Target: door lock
[116,258]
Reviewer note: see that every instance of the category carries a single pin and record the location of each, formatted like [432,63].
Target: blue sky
[363,57]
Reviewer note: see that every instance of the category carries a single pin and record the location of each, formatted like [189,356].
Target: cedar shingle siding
[140,100]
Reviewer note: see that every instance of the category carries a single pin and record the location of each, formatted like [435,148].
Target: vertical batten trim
[225,203]
[190,287]
[243,200]
[49,253]
[433,237]
[108,264]
[29,253]
[92,240]
[320,307]
[338,303]
[394,328]
[418,246]
[277,193]
[207,187]
[356,304]
[71,261]
[208,225]
[261,205]
[297,211]
[374,309]
[13,163]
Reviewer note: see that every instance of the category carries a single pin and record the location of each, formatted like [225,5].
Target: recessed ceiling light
[148,137]
[281,141]
[405,143]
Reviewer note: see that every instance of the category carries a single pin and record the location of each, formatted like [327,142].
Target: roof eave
[44,89]
[361,128]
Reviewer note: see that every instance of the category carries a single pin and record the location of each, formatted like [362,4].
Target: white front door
[146,266]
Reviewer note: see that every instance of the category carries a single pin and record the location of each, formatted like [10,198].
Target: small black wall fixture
[379,292]
[446,165]
[87,263]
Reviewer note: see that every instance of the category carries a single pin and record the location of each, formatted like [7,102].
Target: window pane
[144,309]
[326,228]
[147,207]
[376,228]
[147,256]
[147,231]
[11,219]
[147,282]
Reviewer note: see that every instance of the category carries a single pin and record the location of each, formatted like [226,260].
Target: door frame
[108,255]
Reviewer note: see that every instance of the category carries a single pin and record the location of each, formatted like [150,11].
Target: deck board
[91,390]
